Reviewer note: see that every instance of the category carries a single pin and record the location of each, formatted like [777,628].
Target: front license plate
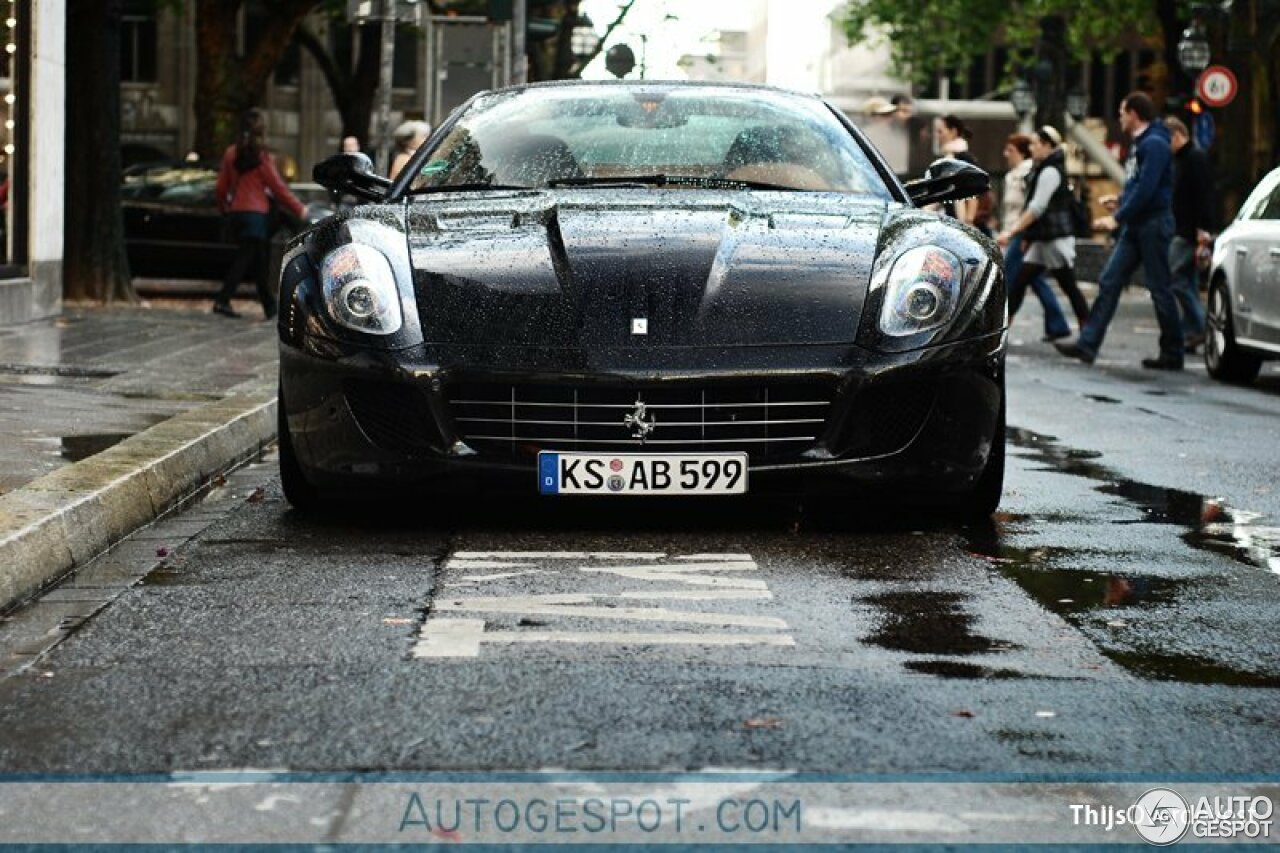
[642,473]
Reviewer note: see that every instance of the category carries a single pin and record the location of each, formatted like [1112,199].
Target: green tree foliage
[929,36]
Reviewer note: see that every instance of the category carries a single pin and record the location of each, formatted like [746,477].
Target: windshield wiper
[669,180]
[470,187]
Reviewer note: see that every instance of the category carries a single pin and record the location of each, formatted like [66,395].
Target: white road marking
[691,579]
[748,566]
[714,576]
[501,576]
[461,638]
[727,557]
[580,606]
[884,819]
[559,555]
[702,595]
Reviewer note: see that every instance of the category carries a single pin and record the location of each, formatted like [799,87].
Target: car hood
[643,268]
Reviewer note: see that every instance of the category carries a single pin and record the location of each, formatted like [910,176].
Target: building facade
[33,83]
[303,125]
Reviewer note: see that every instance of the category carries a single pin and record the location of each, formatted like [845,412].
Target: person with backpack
[248,183]
[1017,155]
[1047,226]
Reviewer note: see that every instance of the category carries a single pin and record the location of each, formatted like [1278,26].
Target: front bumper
[912,422]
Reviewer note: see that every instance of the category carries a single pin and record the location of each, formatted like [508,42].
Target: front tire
[982,499]
[297,491]
[1223,357]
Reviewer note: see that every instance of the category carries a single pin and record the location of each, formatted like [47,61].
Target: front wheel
[301,494]
[981,500]
[1223,357]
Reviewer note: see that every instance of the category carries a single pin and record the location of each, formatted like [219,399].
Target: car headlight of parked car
[360,290]
[922,291]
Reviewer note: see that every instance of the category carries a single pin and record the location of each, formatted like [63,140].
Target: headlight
[360,290]
[922,291]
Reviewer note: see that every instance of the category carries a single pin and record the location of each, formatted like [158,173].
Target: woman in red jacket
[247,184]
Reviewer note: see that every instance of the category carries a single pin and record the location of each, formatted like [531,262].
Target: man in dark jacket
[1143,221]
[1193,215]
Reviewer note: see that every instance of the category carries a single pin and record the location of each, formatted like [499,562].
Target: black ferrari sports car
[645,289]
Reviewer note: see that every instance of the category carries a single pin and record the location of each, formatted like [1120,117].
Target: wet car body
[662,319]
[1244,288]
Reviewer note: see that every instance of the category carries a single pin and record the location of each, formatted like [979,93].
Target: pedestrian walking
[1194,206]
[1143,226]
[1047,226]
[407,137]
[1017,156]
[952,136]
[247,185]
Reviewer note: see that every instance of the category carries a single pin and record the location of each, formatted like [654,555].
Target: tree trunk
[219,88]
[563,67]
[353,89]
[364,87]
[227,84]
[94,265]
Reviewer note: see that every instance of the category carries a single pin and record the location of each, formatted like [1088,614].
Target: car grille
[393,416]
[885,418]
[770,422]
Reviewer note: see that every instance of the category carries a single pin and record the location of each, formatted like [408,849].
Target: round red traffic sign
[1217,86]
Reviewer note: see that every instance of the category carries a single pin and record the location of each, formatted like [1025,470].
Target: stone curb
[66,518]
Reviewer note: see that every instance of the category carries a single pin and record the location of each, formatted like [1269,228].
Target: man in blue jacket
[1144,219]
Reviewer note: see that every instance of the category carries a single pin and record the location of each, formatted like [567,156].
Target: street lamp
[1193,50]
[1077,103]
[1023,99]
[584,40]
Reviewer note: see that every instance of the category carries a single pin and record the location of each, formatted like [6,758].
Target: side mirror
[351,174]
[948,180]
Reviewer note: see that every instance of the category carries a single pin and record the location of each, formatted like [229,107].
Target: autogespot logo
[1161,816]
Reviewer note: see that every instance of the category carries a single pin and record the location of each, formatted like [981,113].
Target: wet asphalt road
[1117,616]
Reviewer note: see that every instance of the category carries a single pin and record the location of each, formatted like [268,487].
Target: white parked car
[1244,288]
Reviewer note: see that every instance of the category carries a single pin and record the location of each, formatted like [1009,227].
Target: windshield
[650,135]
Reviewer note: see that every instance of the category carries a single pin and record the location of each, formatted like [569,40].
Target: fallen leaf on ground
[963,712]
[219,481]
[162,551]
[258,496]
[764,723]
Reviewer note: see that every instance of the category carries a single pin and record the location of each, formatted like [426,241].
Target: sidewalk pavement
[110,417]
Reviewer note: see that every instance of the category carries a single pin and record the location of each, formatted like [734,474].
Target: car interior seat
[771,155]
[530,160]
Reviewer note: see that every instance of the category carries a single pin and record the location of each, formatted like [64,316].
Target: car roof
[658,84]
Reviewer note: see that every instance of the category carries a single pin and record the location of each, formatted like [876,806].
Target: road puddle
[77,447]
[933,623]
[961,669]
[1083,597]
[1211,525]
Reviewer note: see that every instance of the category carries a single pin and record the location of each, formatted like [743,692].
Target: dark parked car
[172,226]
[657,289]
